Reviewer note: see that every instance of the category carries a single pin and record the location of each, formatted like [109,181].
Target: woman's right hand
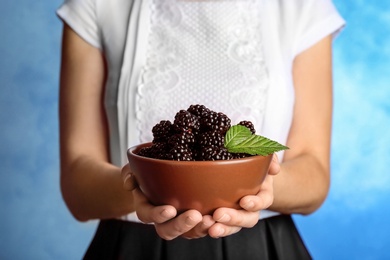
[190,224]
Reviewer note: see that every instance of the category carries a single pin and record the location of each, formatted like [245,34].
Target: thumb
[274,167]
[129,182]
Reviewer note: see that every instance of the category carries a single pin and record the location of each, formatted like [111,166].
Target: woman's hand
[230,221]
[191,224]
[169,225]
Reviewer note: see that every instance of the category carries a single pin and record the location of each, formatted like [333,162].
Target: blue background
[34,222]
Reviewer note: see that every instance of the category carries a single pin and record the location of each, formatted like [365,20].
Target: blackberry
[198,110]
[215,121]
[156,150]
[240,155]
[159,150]
[180,153]
[197,133]
[211,138]
[181,138]
[186,122]
[162,131]
[212,153]
[249,125]
[196,153]
[145,151]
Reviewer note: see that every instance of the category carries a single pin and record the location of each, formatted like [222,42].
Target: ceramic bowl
[201,185]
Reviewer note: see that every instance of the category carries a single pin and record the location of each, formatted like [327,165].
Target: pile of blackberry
[196,134]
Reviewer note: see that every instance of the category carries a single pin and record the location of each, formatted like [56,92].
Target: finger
[129,182]
[179,225]
[125,171]
[201,229]
[262,200]
[220,230]
[238,218]
[274,167]
[149,213]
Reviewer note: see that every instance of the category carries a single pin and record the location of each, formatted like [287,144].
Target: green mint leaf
[235,135]
[240,140]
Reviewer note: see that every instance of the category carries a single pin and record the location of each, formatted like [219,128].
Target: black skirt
[272,238]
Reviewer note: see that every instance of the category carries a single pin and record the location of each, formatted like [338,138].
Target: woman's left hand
[229,221]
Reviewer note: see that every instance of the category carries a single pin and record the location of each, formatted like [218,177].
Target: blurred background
[34,222]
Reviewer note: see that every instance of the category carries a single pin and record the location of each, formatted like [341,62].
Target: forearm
[303,182]
[94,190]
[301,186]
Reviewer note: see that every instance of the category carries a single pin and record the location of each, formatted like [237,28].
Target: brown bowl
[201,185]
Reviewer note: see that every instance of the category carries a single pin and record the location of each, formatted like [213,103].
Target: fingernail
[220,232]
[189,221]
[165,213]
[129,183]
[250,204]
[126,178]
[224,218]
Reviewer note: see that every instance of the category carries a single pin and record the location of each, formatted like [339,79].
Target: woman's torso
[234,56]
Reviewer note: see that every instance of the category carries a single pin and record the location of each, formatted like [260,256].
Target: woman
[128,64]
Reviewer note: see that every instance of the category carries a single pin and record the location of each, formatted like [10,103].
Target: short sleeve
[80,15]
[313,20]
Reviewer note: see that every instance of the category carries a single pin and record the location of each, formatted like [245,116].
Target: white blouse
[233,56]
[209,53]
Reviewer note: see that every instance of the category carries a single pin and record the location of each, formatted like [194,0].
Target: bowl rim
[130,152]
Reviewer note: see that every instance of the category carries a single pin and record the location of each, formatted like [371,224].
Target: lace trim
[161,74]
[246,49]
